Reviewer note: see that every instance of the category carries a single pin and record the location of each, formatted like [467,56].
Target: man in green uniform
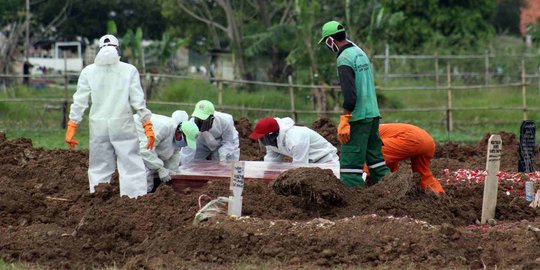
[358,130]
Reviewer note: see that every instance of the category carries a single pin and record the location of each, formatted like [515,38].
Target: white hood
[284,124]
[302,144]
[107,55]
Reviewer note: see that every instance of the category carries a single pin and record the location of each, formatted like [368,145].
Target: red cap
[263,127]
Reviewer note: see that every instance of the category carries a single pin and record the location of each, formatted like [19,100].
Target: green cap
[190,130]
[203,109]
[331,28]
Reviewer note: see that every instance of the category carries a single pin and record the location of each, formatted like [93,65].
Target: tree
[219,16]
[276,18]
[534,31]
[11,27]
[90,20]
[506,17]
[431,24]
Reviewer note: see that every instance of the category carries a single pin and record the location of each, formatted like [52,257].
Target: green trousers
[364,146]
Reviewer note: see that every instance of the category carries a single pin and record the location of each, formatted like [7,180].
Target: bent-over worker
[218,138]
[405,141]
[282,138]
[172,134]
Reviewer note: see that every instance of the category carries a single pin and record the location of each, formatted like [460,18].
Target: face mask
[270,139]
[330,43]
[204,125]
[179,137]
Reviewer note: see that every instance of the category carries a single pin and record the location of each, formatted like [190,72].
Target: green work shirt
[358,83]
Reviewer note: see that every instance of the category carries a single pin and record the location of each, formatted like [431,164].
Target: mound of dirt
[48,218]
[316,187]
[328,129]
[249,148]
[475,155]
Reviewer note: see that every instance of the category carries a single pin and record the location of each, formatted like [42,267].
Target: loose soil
[306,218]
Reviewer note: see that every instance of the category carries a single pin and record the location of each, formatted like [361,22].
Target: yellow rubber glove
[70,134]
[149,132]
[344,129]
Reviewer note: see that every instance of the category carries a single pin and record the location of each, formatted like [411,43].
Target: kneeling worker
[282,138]
[404,141]
[171,135]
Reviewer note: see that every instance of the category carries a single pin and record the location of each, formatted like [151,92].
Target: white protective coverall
[220,142]
[114,88]
[302,144]
[165,154]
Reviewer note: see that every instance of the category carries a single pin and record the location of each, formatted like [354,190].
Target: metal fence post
[524,89]
[291,96]
[449,120]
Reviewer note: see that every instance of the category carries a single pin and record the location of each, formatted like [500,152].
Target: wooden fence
[292,88]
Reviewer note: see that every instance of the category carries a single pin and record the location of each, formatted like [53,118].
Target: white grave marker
[236,187]
[493,162]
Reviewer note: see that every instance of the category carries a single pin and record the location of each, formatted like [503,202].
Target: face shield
[204,125]
[179,137]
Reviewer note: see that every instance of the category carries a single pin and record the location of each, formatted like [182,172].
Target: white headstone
[493,162]
[236,187]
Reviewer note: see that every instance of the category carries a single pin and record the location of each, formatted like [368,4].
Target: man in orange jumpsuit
[404,141]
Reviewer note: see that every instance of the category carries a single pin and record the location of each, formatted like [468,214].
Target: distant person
[114,89]
[282,138]
[404,141]
[26,72]
[172,134]
[358,129]
[218,139]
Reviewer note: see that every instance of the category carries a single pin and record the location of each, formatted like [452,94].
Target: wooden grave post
[236,187]
[491,184]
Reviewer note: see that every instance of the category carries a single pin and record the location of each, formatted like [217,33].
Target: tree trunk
[9,47]
[235,35]
[318,93]
[278,64]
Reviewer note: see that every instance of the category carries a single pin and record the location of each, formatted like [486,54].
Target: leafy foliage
[90,19]
[10,10]
[450,23]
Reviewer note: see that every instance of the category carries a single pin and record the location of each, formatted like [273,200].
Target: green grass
[33,120]
[14,266]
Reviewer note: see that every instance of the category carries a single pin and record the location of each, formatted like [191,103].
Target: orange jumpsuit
[404,141]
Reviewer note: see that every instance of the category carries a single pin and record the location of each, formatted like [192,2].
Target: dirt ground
[306,218]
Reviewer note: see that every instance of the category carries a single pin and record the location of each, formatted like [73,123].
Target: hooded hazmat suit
[114,89]
[165,154]
[219,143]
[302,144]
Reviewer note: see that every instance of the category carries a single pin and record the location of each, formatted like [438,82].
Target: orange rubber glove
[70,134]
[149,132]
[344,129]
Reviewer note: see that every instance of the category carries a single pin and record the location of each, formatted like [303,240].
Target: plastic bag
[213,208]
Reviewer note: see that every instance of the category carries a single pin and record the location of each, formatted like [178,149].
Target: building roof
[529,14]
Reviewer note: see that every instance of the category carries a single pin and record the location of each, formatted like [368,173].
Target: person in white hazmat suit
[218,138]
[172,134]
[282,138]
[114,88]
